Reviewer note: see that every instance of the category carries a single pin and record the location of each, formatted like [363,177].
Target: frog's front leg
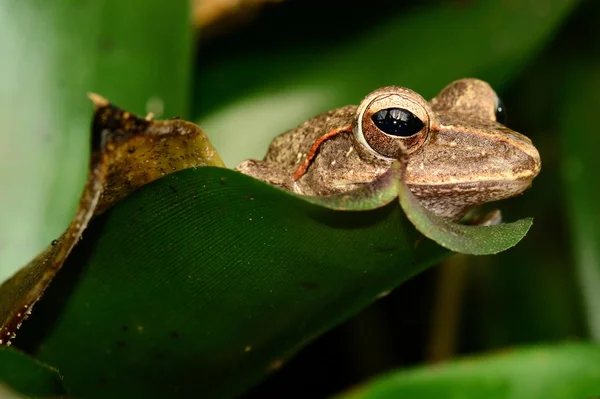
[268,172]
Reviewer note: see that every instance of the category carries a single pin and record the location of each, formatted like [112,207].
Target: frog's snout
[528,163]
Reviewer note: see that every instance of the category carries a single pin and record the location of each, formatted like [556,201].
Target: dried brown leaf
[127,152]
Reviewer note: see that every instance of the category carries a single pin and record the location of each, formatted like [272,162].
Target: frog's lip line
[524,179]
[456,184]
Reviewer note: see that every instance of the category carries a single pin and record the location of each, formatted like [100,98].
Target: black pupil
[397,122]
[500,112]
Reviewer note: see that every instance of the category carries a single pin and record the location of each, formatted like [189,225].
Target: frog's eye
[397,122]
[391,120]
[500,111]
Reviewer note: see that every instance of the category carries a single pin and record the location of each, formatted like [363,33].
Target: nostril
[501,147]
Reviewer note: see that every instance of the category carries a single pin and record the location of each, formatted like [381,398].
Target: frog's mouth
[471,192]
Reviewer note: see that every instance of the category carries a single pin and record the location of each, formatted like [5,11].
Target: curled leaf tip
[468,239]
[484,239]
[98,100]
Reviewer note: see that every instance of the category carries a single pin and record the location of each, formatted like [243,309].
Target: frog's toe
[476,218]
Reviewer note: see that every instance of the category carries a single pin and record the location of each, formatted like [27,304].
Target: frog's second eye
[397,122]
[500,111]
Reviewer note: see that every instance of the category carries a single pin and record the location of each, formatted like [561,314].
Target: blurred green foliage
[295,60]
[561,372]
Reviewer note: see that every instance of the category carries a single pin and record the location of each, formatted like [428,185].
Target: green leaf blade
[211,272]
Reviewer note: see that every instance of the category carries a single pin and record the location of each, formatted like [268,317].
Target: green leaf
[579,106]
[551,372]
[236,276]
[28,376]
[205,281]
[273,86]
[136,53]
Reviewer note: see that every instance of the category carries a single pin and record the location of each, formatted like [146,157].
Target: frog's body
[459,158]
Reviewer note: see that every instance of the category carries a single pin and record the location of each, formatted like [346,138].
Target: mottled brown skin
[461,158]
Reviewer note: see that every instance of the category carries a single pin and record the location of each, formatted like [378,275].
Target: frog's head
[456,144]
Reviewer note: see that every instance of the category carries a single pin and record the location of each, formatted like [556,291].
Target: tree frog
[459,152]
